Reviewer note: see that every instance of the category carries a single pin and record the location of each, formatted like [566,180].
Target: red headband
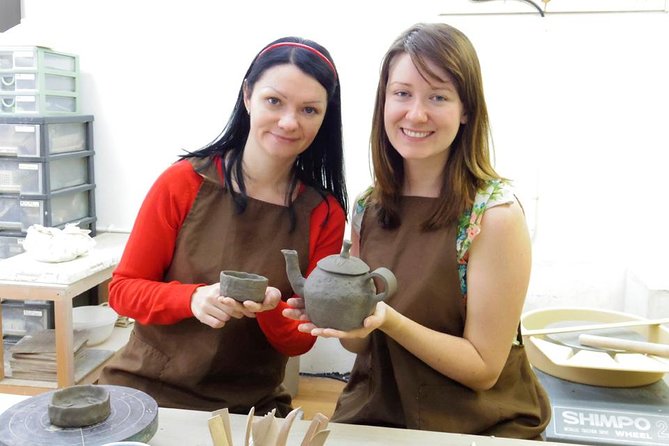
[300,45]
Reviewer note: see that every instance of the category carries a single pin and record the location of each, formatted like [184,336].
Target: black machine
[592,415]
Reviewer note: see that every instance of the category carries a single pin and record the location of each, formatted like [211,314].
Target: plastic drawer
[38,137]
[10,246]
[39,103]
[20,318]
[19,213]
[36,58]
[39,178]
[33,82]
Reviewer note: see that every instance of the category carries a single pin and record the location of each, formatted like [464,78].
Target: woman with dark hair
[272,180]
[444,352]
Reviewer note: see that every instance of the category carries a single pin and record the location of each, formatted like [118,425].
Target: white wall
[578,107]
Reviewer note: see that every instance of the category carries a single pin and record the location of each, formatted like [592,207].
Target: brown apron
[390,386]
[191,365]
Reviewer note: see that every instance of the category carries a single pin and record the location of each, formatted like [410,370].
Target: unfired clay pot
[243,286]
[79,406]
[339,293]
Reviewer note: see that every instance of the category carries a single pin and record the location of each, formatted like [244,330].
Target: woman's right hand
[210,308]
[296,310]
[354,340]
[371,323]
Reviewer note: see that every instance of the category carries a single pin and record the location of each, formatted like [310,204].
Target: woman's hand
[272,299]
[296,310]
[371,323]
[212,309]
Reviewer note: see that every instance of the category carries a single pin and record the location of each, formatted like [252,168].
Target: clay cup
[243,286]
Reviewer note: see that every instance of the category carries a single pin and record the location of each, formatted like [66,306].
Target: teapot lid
[343,263]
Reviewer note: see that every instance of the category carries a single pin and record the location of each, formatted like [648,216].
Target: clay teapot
[339,293]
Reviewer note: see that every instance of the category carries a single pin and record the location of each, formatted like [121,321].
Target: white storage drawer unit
[37,58]
[25,176]
[34,82]
[38,81]
[10,246]
[29,136]
[38,103]
[20,318]
[18,213]
[46,172]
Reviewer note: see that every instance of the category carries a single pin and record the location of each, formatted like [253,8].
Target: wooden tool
[649,348]
[316,434]
[282,437]
[589,327]
[217,431]
[219,427]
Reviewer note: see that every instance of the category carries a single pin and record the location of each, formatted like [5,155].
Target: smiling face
[286,108]
[421,118]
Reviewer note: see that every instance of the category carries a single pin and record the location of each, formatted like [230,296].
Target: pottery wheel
[571,339]
[134,416]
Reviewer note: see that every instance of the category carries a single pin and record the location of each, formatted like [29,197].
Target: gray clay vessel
[339,293]
[79,406]
[243,286]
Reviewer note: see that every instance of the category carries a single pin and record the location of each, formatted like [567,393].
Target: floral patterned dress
[495,193]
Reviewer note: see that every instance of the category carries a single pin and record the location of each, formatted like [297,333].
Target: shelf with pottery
[23,278]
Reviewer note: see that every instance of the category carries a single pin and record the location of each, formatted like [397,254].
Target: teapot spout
[293,271]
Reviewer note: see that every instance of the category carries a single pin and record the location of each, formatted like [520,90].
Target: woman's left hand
[272,299]
[371,323]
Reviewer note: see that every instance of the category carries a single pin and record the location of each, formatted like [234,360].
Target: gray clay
[339,293]
[243,286]
[79,406]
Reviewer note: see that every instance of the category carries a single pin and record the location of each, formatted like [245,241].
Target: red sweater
[137,288]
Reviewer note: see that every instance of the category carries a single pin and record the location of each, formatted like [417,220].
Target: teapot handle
[389,282]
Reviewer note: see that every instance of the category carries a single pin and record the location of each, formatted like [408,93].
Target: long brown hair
[468,165]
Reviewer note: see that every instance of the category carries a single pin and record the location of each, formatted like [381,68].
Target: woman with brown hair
[444,352]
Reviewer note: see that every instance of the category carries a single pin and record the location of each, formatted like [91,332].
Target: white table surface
[189,428]
[106,253]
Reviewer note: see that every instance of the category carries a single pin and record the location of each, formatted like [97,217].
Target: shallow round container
[96,320]
[597,367]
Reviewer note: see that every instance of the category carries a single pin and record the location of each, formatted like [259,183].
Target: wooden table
[23,278]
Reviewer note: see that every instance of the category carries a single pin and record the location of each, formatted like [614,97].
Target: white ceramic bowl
[97,320]
[126,443]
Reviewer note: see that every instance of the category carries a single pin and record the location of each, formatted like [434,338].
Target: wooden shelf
[115,342]
[26,279]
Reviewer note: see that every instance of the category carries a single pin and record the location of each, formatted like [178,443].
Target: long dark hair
[321,165]
[468,165]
